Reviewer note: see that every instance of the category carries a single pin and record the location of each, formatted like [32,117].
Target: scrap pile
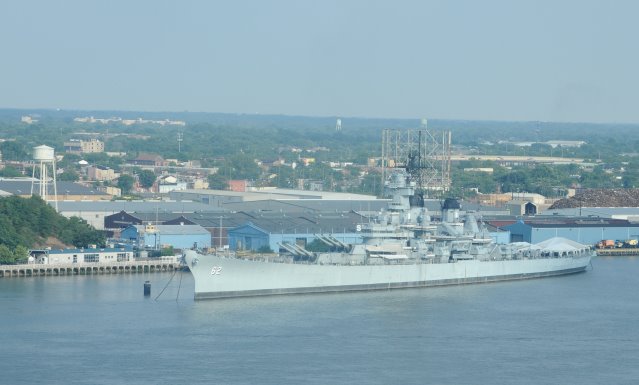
[600,198]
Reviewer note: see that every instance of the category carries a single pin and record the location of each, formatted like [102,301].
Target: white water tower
[44,157]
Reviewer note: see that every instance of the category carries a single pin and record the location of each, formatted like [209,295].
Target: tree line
[232,143]
[30,222]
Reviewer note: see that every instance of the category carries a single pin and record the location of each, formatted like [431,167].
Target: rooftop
[175,229]
[551,222]
[306,224]
[22,186]
[159,207]
[279,194]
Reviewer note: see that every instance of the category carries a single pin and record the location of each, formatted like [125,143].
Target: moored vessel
[401,248]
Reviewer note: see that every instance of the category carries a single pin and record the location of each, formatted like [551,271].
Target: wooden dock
[131,267]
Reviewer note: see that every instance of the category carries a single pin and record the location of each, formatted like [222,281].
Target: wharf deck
[43,270]
[618,252]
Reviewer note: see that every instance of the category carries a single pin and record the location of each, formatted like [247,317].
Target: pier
[618,252]
[130,267]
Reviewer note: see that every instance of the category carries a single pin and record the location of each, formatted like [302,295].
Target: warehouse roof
[22,186]
[307,224]
[136,206]
[576,222]
[175,229]
[91,250]
[307,205]
[266,193]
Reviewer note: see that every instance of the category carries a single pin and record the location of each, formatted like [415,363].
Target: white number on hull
[216,270]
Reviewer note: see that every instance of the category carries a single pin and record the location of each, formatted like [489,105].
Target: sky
[472,60]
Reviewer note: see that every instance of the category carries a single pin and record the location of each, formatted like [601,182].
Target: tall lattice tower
[423,153]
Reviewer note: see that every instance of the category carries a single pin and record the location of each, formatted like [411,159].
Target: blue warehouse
[177,236]
[269,231]
[582,230]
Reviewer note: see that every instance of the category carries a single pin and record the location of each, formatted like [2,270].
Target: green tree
[69,161]
[265,249]
[12,150]
[69,175]
[515,180]
[242,166]
[217,181]
[20,253]
[146,178]
[318,246]
[10,172]
[125,183]
[167,251]
[80,234]
[6,255]
[598,178]
[100,158]
[371,184]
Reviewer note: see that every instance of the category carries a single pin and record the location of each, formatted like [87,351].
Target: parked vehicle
[606,244]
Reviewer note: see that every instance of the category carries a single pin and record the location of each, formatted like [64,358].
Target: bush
[265,250]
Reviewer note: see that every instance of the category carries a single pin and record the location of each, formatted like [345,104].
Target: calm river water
[579,329]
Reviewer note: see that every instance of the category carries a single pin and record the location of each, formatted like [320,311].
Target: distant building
[504,198]
[522,208]
[101,173]
[176,236]
[120,221]
[268,231]
[148,160]
[488,170]
[116,154]
[111,190]
[77,146]
[238,185]
[88,255]
[92,146]
[73,146]
[307,161]
[310,184]
[582,230]
[198,183]
[267,164]
[115,223]
[552,143]
[565,143]
[28,120]
[95,212]
[316,185]
[170,183]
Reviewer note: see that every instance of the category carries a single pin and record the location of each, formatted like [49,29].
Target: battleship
[402,248]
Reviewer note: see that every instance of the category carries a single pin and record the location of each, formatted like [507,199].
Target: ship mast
[423,153]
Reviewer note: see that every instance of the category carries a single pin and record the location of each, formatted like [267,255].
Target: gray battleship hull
[223,277]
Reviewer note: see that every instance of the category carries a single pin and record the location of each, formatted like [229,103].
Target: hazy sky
[503,60]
